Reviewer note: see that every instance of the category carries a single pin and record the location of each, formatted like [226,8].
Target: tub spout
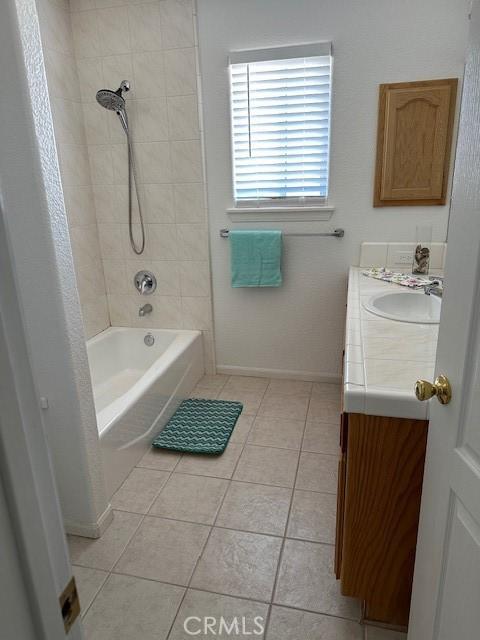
[143,311]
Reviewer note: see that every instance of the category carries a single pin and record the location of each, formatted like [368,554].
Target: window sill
[280,214]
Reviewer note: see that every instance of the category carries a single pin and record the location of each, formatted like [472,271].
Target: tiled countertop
[384,358]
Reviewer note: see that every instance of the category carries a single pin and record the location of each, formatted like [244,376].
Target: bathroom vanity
[383,443]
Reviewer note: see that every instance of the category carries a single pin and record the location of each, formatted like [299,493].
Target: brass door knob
[441,388]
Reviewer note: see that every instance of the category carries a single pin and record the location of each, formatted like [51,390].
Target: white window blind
[280,107]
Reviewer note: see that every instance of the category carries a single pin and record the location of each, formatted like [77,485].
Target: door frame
[26,473]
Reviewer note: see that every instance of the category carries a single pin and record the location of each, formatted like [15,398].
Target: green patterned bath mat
[200,426]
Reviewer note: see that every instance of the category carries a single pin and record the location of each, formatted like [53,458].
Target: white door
[446,591]
[34,562]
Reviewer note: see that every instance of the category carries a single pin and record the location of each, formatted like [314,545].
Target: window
[280,107]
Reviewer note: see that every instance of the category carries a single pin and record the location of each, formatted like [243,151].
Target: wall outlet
[403,257]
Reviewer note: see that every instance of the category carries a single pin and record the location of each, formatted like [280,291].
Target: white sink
[406,306]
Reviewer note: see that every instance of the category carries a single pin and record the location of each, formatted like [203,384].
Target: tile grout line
[282,548]
[200,555]
[230,480]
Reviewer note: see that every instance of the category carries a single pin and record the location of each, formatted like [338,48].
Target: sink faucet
[143,311]
[435,287]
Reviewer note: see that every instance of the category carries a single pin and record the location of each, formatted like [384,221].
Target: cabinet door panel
[414,140]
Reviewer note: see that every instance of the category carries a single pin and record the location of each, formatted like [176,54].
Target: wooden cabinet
[379,492]
[414,138]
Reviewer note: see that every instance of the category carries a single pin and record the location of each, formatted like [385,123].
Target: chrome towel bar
[337,233]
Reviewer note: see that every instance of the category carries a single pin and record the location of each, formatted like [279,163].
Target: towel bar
[337,233]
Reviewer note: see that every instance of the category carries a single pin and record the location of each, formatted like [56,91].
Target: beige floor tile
[289,387]
[238,564]
[199,604]
[317,472]
[213,382]
[276,405]
[193,498]
[266,465]
[159,459]
[288,624]
[375,633]
[88,582]
[102,553]
[246,383]
[322,437]
[306,581]
[312,516]
[204,393]
[326,409]
[242,428]
[275,432]
[130,608]
[250,399]
[326,389]
[221,466]
[164,550]
[255,507]
[139,490]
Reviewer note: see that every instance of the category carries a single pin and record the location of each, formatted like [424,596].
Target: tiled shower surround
[151,44]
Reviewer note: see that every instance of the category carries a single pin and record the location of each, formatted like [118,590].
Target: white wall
[300,326]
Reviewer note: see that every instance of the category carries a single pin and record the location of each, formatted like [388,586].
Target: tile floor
[249,533]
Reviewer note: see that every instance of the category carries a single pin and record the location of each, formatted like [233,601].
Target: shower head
[113,100]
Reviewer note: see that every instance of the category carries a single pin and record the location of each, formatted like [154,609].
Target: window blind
[280,112]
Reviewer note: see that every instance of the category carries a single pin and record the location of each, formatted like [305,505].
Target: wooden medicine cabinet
[415,123]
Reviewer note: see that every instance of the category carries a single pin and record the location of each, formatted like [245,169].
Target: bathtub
[137,388]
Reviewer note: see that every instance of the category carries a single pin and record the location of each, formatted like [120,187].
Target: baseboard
[90,530]
[310,376]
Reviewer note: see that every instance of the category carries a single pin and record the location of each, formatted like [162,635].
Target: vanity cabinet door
[415,125]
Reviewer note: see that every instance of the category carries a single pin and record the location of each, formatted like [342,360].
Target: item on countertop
[421,257]
[404,279]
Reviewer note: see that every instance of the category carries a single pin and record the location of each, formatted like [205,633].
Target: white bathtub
[137,388]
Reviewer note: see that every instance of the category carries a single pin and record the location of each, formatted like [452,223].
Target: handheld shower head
[113,100]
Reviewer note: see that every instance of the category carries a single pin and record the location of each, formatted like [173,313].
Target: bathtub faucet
[143,311]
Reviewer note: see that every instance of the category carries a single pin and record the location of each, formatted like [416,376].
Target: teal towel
[256,258]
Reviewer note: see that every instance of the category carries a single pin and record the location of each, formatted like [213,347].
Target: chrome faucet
[146,309]
[435,287]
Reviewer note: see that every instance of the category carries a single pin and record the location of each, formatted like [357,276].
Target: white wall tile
[101,169]
[79,204]
[85,34]
[115,276]
[150,122]
[183,118]
[161,242]
[111,238]
[90,78]
[186,161]
[180,77]
[73,164]
[196,313]
[154,161]
[189,202]
[148,73]
[96,123]
[151,44]
[192,242]
[158,203]
[144,22]
[118,68]
[113,32]
[177,23]
[194,278]
[373,254]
